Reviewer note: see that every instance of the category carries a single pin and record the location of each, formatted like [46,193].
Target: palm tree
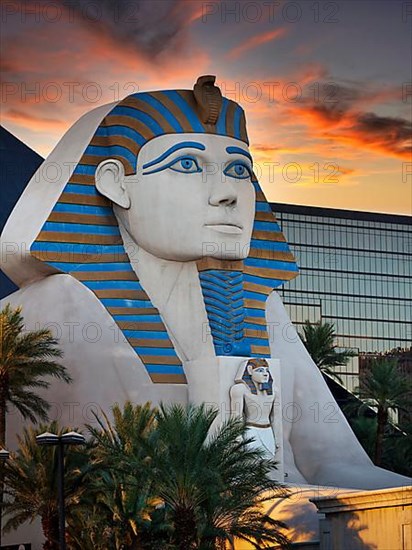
[89,527]
[384,389]
[162,479]
[397,455]
[26,358]
[31,483]
[213,483]
[121,482]
[319,340]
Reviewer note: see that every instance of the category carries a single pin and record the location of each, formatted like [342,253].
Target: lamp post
[59,441]
[4,456]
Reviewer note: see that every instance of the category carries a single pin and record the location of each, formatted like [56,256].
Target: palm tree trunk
[3,402]
[380,431]
[185,529]
[50,525]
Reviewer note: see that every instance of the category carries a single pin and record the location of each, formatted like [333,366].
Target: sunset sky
[326,86]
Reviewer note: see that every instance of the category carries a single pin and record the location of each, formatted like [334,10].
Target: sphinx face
[192,197]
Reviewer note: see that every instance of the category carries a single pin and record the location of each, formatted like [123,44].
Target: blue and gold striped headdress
[81,235]
[243,376]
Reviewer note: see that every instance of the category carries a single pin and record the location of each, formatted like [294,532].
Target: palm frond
[27,360]
[319,340]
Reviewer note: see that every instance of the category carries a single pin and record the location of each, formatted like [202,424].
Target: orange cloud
[32,121]
[381,134]
[308,111]
[256,41]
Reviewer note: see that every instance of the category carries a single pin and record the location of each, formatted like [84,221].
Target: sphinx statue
[145,242]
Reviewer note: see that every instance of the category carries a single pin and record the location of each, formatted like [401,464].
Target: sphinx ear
[110,182]
[249,370]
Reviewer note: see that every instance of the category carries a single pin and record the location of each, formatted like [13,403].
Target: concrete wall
[368,520]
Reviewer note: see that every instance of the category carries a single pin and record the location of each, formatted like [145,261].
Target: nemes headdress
[81,235]
[243,376]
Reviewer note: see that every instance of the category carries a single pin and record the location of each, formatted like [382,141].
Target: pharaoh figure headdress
[81,234]
[243,376]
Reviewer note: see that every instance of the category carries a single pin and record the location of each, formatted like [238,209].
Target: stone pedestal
[381,520]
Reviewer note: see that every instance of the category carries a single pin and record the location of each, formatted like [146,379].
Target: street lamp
[59,441]
[4,456]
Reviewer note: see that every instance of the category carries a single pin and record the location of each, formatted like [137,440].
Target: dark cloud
[338,114]
[7,65]
[149,26]
[394,133]
[333,100]
[331,113]
[339,97]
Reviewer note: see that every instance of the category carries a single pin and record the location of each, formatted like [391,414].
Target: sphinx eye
[185,165]
[238,169]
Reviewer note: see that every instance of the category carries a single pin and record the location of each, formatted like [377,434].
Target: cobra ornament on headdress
[81,235]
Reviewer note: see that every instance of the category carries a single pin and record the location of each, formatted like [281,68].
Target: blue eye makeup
[239,170]
[186,164]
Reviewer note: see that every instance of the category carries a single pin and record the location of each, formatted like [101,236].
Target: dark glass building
[17,165]
[356,272]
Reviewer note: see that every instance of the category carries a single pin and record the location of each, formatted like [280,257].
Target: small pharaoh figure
[253,397]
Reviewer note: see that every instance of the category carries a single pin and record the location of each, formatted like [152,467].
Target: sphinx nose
[223,194]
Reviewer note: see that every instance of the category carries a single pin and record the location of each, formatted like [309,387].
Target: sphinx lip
[230,228]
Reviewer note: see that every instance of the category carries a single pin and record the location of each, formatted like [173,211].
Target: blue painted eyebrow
[181,145]
[239,151]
